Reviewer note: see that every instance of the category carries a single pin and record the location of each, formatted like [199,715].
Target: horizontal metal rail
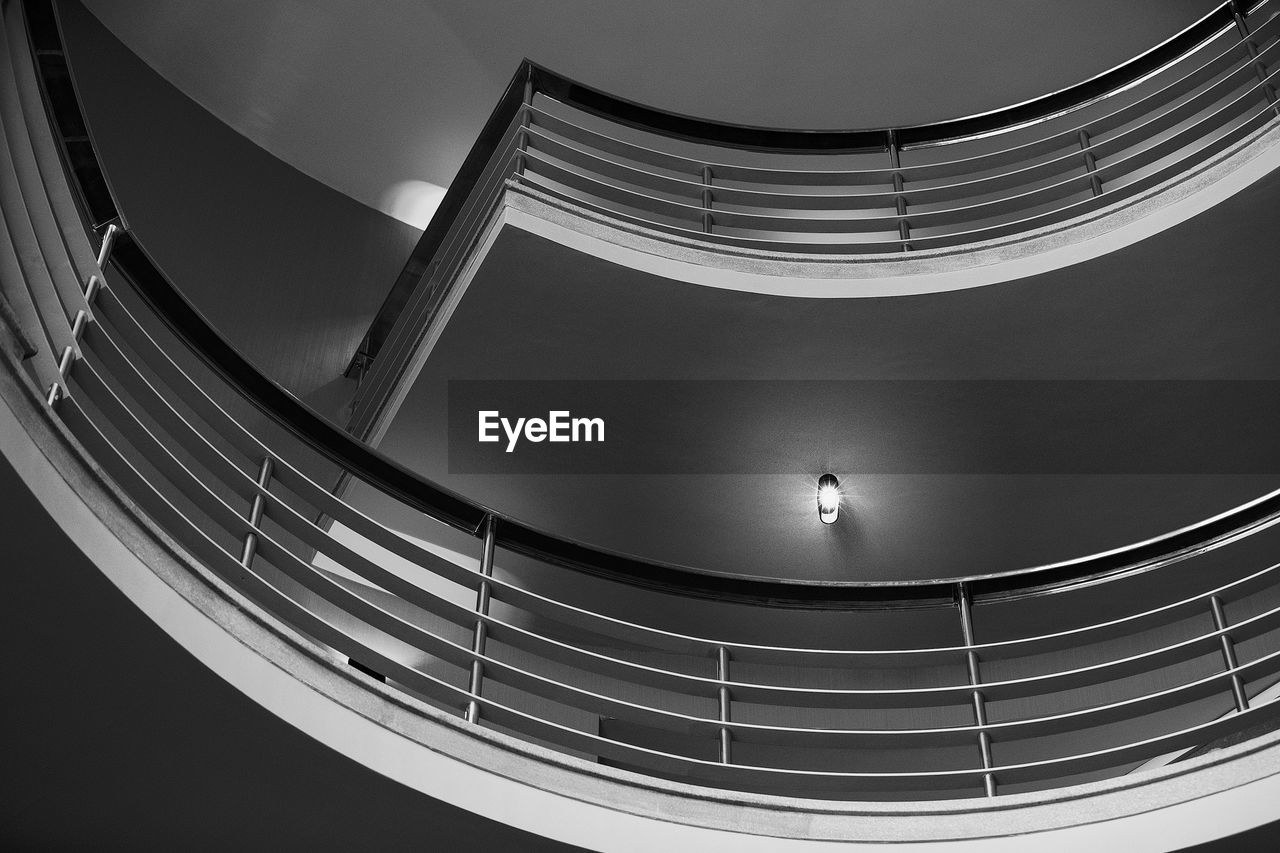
[596,167]
[1225,65]
[631,205]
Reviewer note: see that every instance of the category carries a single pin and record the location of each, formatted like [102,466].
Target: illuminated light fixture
[828,498]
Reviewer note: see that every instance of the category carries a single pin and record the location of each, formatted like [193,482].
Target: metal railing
[894,190]
[975,686]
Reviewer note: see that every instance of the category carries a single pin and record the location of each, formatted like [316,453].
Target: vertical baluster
[965,603]
[899,201]
[256,510]
[523,133]
[69,354]
[1090,163]
[108,240]
[56,388]
[722,675]
[1228,653]
[1242,27]
[472,712]
[706,199]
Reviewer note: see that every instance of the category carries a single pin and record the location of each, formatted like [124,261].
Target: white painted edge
[931,271]
[557,796]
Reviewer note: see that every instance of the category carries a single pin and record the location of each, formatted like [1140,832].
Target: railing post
[1090,163]
[108,241]
[523,133]
[91,288]
[722,675]
[899,202]
[256,510]
[1240,14]
[965,603]
[69,354]
[472,711]
[706,199]
[1228,653]
[361,362]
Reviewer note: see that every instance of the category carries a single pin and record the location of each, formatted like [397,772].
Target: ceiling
[383,101]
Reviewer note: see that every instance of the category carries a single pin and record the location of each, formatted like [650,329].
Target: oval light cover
[828,498]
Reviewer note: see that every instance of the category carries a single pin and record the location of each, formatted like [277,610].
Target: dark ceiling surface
[367,97]
[1194,303]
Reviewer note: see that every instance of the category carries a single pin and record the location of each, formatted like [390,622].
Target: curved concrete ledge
[834,276]
[557,796]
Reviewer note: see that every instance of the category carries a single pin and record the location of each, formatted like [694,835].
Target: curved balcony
[767,193]
[978,686]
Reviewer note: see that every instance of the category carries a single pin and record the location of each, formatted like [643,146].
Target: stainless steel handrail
[779,224]
[1205,83]
[884,200]
[925,171]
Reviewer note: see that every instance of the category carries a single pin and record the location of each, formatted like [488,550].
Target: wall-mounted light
[828,498]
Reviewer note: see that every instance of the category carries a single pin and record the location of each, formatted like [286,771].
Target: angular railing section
[826,193]
[970,687]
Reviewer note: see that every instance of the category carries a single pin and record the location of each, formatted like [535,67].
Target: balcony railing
[971,686]
[819,194]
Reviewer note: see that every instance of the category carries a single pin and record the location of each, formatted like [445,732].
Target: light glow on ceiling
[412,202]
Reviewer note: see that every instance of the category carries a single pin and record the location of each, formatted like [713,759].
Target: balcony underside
[547,294]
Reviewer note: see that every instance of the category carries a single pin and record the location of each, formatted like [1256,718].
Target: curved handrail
[972,233]
[957,214]
[1053,167]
